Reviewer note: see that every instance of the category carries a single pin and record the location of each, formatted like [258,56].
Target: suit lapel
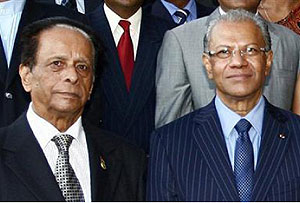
[272,151]
[105,173]
[210,140]
[31,12]
[3,63]
[26,159]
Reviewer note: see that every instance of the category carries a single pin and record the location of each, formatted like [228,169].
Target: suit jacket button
[8,95]
[100,121]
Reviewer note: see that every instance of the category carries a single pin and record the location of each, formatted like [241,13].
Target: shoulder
[283,33]
[187,123]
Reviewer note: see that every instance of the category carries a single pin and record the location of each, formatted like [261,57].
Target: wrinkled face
[249,5]
[61,80]
[239,76]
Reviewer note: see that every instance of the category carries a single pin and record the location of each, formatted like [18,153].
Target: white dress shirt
[78,151]
[117,30]
[10,15]
[80,5]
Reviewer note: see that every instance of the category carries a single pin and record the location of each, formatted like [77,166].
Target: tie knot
[125,25]
[243,126]
[182,15]
[63,142]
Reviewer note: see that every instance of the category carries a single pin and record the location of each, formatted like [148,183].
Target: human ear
[269,55]
[207,65]
[26,77]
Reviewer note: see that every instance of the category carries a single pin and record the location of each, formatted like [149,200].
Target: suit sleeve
[160,181]
[173,91]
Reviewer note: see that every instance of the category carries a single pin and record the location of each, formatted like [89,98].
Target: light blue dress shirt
[191,7]
[10,15]
[229,119]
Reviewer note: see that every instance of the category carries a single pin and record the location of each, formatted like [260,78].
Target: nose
[70,74]
[237,59]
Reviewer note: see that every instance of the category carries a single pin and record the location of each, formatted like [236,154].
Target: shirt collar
[45,131]
[11,7]
[113,19]
[229,119]
[191,7]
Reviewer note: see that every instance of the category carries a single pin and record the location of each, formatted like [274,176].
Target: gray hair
[239,15]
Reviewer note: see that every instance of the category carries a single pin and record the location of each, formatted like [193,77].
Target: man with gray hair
[182,85]
[49,153]
[239,147]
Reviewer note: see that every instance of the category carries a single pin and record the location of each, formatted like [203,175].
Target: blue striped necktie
[244,161]
[182,15]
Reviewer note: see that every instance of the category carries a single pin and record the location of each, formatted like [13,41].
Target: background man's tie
[244,161]
[64,173]
[182,15]
[69,4]
[125,51]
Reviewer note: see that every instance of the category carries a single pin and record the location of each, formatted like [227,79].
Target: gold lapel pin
[282,136]
[102,163]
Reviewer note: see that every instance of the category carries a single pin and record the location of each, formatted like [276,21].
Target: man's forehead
[241,30]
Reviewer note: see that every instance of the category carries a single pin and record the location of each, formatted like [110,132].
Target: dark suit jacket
[89,5]
[189,159]
[112,107]
[13,99]
[160,11]
[26,176]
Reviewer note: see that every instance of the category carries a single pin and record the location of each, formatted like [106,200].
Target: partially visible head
[124,8]
[57,66]
[248,5]
[237,54]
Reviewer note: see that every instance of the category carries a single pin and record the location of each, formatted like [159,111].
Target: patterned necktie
[125,51]
[244,161]
[64,173]
[182,15]
[71,4]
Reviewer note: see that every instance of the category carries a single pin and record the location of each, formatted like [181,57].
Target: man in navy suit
[122,104]
[15,16]
[239,147]
[172,10]
[49,153]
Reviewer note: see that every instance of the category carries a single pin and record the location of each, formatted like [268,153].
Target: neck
[275,12]
[62,121]
[179,3]
[124,12]
[278,4]
[241,106]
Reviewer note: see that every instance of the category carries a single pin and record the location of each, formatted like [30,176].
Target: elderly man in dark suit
[48,153]
[17,14]
[124,96]
[239,147]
